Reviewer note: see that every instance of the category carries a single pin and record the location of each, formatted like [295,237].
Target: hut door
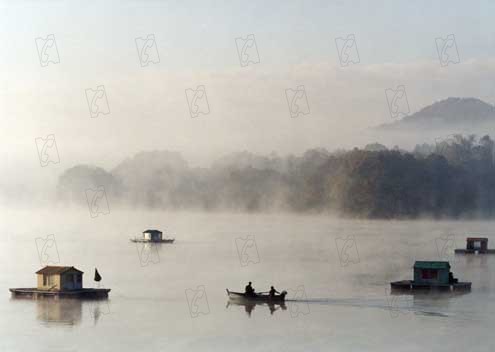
[69,281]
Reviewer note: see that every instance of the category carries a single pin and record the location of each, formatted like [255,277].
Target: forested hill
[454,178]
[461,114]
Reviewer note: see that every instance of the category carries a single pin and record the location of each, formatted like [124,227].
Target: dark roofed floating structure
[431,275]
[60,282]
[153,236]
[476,245]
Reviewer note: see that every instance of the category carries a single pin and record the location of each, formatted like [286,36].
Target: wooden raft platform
[89,293]
[409,285]
[140,240]
[472,251]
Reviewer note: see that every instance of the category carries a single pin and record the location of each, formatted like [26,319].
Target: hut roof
[431,265]
[477,239]
[52,270]
[152,231]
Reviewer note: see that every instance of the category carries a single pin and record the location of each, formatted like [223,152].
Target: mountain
[467,114]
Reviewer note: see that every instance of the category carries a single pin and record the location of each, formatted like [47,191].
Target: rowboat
[257,297]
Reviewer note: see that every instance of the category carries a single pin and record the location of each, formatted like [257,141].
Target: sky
[109,79]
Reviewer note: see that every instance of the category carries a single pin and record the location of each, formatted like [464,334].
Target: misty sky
[247,107]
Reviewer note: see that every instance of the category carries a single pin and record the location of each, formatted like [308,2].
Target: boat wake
[396,305]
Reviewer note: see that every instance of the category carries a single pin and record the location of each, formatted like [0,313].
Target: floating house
[155,236]
[430,275]
[59,278]
[476,245]
[60,281]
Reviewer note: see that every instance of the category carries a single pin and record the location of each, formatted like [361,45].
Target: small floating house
[155,236]
[59,278]
[431,275]
[60,281]
[476,245]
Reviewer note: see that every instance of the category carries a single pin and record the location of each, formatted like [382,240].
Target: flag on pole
[97,276]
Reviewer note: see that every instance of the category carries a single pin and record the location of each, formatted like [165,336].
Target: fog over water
[232,127]
[338,297]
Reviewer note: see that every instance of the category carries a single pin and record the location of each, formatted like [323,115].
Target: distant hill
[467,114]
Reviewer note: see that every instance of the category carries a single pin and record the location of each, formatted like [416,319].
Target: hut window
[429,274]
[48,280]
[79,278]
[477,244]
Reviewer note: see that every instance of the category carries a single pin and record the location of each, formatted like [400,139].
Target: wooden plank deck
[32,292]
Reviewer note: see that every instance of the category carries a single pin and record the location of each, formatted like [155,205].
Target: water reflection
[60,312]
[249,306]
[98,308]
[480,259]
[423,303]
[67,311]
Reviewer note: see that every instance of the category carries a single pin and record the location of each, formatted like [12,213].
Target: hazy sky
[46,92]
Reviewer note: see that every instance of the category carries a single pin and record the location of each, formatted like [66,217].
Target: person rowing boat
[249,290]
[272,292]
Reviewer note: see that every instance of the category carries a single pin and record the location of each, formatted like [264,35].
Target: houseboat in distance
[476,245]
[60,282]
[431,275]
[153,236]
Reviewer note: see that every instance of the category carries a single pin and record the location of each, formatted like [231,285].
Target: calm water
[172,297]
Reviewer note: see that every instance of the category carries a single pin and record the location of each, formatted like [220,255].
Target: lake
[173,297]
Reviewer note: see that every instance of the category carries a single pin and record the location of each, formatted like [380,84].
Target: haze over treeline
[453,178]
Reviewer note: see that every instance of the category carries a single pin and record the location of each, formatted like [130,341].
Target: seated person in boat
[249,290]
[452,279]
[272,292]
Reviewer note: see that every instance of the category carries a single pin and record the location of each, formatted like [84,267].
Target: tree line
[454,177]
